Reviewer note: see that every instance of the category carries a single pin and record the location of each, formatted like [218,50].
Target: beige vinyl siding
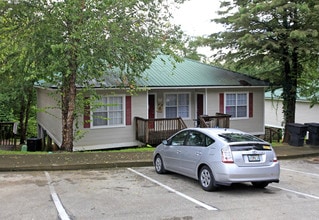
[303,114]
[254,125]
[49,114]
[160,95]
[124,136]
[112,137]
[212,101]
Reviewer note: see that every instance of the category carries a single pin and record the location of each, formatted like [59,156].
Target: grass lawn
[131,149]
[147,148]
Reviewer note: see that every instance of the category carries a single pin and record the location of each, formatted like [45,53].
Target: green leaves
[72,42]
[274,40]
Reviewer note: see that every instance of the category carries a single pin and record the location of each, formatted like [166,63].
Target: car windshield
[238,137]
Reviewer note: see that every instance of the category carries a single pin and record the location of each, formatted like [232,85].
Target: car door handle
[198,153]
[178,151]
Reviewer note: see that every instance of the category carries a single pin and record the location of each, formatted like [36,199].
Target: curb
[55,167]
[46,164]
[287,157]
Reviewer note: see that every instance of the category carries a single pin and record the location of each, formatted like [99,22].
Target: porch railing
[152,131]
[273,134]
[219,120]
[8,139]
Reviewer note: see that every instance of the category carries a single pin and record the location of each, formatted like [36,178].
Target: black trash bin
[34,144]
[297,133]
[313,129]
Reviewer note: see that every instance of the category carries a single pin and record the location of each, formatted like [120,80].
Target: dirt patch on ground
[314,160]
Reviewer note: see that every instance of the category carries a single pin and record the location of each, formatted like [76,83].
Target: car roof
[216,131]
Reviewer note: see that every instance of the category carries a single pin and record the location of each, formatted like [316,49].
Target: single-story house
[181,90]
[274,115]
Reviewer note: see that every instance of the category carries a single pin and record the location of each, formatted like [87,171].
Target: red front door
[200,106]
[151,110]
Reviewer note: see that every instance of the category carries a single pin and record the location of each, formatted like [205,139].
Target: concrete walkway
[97,160]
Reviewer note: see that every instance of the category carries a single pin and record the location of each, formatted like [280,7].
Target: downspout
[206,101]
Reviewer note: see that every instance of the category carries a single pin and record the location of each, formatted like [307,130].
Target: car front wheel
[206,179]
[159,165]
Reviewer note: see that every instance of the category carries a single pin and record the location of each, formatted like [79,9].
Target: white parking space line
[296,171]
[296,192]
[210,208]
[62,213]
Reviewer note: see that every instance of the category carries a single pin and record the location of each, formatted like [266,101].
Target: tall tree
[275,38]
[16,101]
[73,41]
[16,66]
[192,44]
[310,88]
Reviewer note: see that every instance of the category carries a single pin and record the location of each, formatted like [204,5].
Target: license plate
[253,158]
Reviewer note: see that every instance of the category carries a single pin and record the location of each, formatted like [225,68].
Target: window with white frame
[236,105]
[108,111]
[177,105]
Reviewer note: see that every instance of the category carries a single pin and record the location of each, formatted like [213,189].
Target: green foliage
[6,113]
[309,83]
[71,43]
[32,127]
[274,40]
[17,70]
[190,50]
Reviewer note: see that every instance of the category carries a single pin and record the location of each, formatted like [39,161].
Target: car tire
[159,165]
[260,185]
[206,179]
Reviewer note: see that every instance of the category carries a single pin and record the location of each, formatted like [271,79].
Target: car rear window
[247,147]
[238,137]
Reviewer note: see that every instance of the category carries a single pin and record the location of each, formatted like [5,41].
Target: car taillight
[227,156]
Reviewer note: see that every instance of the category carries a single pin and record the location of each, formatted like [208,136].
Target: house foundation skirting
[107,146]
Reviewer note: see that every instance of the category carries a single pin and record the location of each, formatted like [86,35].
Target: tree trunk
[68,109]
[290,92]
[21,120]
[27,110]
[25,106]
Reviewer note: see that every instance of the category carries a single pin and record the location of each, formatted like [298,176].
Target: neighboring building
[186,89]
[273,110]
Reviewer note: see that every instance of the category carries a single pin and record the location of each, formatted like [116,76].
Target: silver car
[218,156]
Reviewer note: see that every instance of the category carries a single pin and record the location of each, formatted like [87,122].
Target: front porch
[154,130]
[8,136]
[219,120]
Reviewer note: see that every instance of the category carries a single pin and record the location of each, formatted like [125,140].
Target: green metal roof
[277,95]
[165,72]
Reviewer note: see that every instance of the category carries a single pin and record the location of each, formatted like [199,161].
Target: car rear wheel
[206,179]
[260,185]
[159,165]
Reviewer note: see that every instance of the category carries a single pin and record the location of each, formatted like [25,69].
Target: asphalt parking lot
[140,193]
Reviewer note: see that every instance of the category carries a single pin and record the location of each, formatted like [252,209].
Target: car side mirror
[165,142]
